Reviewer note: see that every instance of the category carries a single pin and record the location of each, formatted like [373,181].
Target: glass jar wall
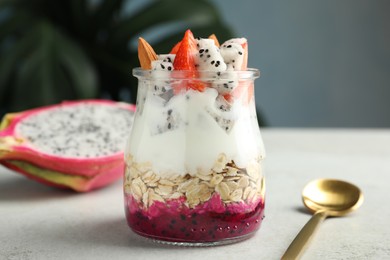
[194,159]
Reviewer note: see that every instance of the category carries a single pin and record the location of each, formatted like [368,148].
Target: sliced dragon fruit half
[75,144]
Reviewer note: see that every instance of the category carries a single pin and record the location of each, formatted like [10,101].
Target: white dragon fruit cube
[208,56]
[167,57]
[224,122]
[161,65]
[161,72]
[222,105]
[233,53]
[160,87]
[170,121]
[225,82]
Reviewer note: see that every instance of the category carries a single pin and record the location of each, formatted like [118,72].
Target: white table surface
[38,222]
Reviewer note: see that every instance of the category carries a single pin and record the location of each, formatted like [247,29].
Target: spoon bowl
[323,197]
[335,197]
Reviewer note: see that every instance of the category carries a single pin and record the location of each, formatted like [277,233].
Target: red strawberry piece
[185,61]
[185,55]
[175,48]
[245,61]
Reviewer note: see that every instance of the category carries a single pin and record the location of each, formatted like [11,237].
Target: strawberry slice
[245,60]
[175,48]
[185,61]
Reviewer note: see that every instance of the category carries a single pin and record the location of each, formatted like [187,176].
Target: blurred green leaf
[80,14]
[165,45]
[12,57]
[5,3]
[79,67]
[107,12]
[30,74]
[14,23]
[192,12]
[35,72]
[54,69]
[53,50]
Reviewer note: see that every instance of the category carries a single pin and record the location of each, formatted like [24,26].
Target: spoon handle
[298,245]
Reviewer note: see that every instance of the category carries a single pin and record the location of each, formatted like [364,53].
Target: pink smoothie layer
[208,222]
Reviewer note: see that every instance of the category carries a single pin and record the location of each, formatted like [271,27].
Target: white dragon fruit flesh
[224,60]
[208,56]
[222,105]
[160,65]
[171,120]
[222,119]
[161,71]
[76,144]
[234,53]
[167,57]
[225,82]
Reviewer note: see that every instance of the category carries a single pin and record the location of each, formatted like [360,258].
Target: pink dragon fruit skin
[90,172]
[76,183]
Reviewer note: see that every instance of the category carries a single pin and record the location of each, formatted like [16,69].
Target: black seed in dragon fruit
[159,65]
[167,57]
[161,87]
[222,105]
[160,72]
[225,82]
[75,144]
[208,56]
[87,130]
[167,93]
[222,120]
[162,65]
[233,53]
[171,121]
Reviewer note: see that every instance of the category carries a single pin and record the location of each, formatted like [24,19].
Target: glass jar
[194,158]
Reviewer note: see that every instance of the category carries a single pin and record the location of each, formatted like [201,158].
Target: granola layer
[231,183]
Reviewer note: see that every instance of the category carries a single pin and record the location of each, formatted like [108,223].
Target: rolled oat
[225,178]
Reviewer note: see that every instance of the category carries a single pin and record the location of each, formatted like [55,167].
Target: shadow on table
[19,189]
[302,209]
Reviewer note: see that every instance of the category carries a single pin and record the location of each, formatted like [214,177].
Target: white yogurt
[195,139]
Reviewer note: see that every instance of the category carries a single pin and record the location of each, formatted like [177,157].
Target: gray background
[323,63]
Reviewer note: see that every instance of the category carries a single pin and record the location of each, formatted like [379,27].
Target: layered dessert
[194,158]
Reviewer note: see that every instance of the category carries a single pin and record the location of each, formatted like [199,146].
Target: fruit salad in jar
[194,158]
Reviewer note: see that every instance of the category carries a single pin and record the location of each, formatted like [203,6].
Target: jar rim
[248,74]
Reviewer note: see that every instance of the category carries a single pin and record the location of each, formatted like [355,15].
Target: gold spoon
[324,197]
